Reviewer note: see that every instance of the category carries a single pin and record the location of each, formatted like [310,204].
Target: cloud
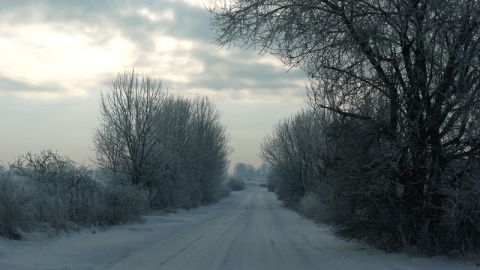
[11,86]
[50,90]
[81,42]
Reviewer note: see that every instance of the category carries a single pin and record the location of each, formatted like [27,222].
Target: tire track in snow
[200,247]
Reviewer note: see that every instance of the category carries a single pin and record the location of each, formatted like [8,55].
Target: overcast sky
[56,56]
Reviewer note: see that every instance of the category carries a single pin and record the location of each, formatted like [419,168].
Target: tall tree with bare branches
[128,130]
[407,69]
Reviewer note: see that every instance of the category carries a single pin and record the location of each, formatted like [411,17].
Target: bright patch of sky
[58,55]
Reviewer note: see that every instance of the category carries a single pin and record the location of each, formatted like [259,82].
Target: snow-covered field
[247,230]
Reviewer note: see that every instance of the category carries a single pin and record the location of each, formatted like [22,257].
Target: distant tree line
[248,171]
[388,152]
[244,172]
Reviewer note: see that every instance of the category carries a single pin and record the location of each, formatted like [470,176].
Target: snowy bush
[62,193]
[49,192]
[235,184]
[122,204]
[221,192]
[15,203]
[316,207]
[460,222]
[271,181]
[310,206]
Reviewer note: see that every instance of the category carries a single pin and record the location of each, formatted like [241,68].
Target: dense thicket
[400,81]
[175,147]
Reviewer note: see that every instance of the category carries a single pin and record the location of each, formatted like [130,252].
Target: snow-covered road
[253,233]
[247,230]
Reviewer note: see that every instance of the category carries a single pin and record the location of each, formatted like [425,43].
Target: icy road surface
[247,230]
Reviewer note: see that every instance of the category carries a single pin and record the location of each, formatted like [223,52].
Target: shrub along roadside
[48,192]
[235,184]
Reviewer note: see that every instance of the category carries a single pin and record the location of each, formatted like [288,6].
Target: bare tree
[128,130]
[409,67]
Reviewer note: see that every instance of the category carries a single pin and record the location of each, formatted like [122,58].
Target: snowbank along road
[247,230]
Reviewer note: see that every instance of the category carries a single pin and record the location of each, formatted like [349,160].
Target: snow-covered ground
[247,230]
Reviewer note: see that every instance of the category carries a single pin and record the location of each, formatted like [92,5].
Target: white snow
[247,230]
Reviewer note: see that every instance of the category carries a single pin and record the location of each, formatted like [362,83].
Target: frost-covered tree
[170,178]
[191,154]
[212,150]
[294,151]
[128,130]
[174,146]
